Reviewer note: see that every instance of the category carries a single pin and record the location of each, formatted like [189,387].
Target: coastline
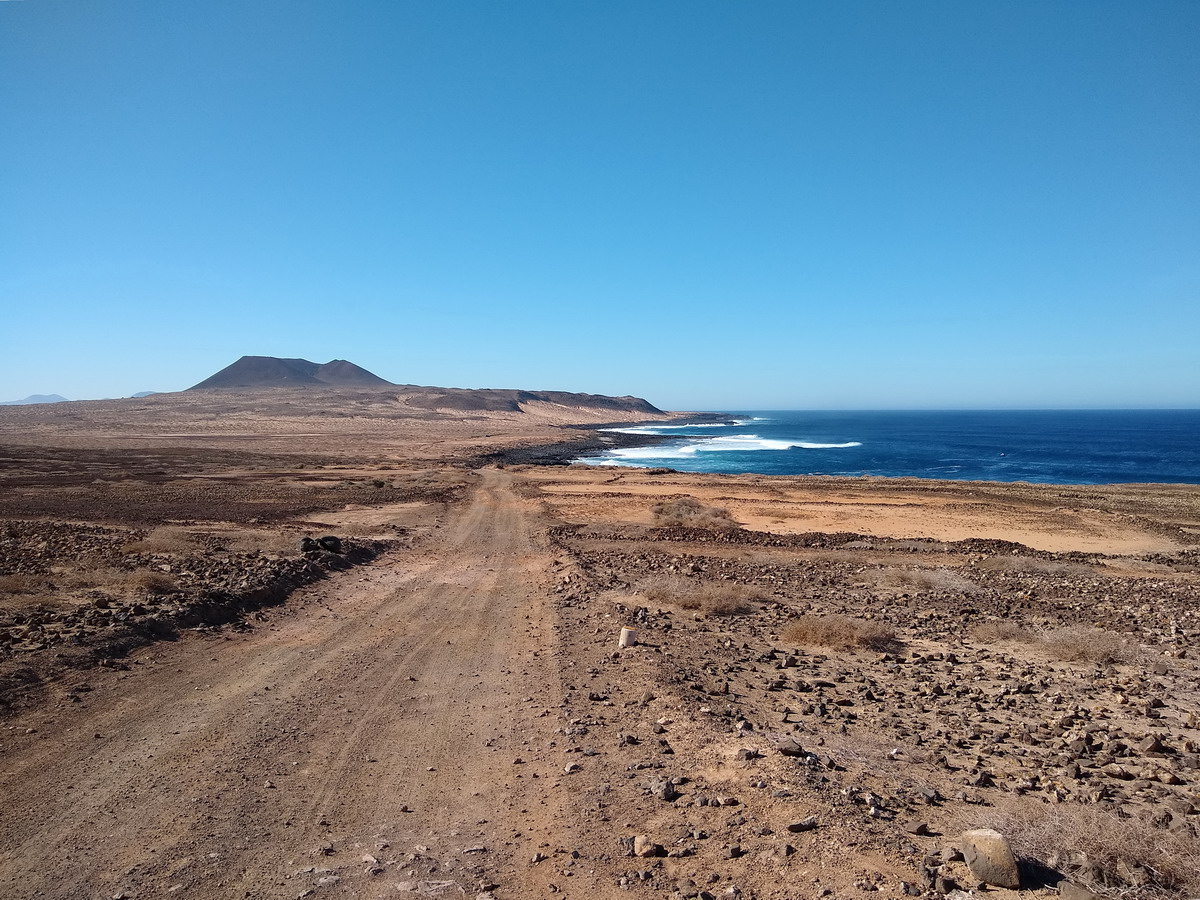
[600,438]
[1064,447]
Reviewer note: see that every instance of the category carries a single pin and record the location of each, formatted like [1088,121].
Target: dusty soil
[450,714]
[361,739]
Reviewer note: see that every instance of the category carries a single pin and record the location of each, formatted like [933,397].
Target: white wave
[633,429]
[744,442]
[741,443]
[660,452]
[665,429]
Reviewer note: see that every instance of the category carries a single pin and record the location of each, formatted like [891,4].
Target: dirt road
[360,743]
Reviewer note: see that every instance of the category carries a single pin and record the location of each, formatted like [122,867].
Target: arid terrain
[833,678]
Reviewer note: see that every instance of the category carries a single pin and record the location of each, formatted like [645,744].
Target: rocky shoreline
[597,440]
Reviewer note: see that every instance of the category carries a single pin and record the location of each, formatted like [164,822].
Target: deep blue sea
[1046,446]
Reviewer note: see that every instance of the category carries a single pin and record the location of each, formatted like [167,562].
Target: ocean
[1040,446]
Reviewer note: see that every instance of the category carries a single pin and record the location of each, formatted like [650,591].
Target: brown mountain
[271,371]
[253,372]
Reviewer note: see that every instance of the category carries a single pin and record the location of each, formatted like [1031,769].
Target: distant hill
[499,400]
[140,394]
[254,372]
[35,398]
[270,371]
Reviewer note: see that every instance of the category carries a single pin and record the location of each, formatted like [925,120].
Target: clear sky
[713,205]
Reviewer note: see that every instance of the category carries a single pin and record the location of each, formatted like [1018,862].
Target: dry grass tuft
[152,582]
[915,580]
[840,633]
[1070,643]
[1082,643]
[691,513]
[710,598]
[22,584]
[1101,850]
[164,539]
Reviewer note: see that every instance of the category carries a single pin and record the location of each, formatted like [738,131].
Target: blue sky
[713,205]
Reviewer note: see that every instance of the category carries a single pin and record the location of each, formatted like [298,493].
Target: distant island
[35,398]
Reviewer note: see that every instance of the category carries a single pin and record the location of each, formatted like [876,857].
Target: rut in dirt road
[361,745]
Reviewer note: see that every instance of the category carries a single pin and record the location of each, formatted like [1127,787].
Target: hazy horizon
[768,206]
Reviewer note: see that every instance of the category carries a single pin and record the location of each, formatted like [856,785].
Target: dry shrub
[112,580]
[249,540]
[911,580]
[1082,643]
[152,582]
[1099,849]
[664,589]
[840,633]
[95,577]
[164,539]
[710,598]
[691,513]
[1002,632]
[725,599]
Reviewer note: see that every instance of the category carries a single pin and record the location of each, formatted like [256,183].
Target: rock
[803,825]
[663,790]
[944,884]
[645,848]
[1150,744]
[920,828]
[789,747]
[990,858]
[330,543]
[1070,891]
[929,795]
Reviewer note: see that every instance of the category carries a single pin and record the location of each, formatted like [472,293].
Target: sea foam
[741,443]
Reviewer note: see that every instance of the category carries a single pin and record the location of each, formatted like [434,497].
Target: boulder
[662,789]
[646,848]
[990,858]
[789,747]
